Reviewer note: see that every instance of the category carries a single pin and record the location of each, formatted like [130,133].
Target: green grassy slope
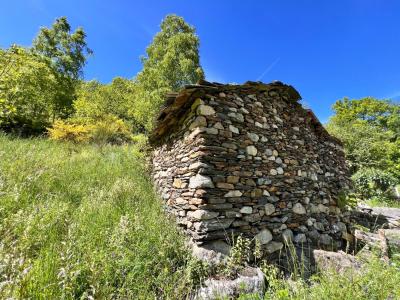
[83,221]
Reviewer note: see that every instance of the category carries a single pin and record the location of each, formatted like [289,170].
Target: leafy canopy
[95,100]
[370,131]
[28,87]
[172,61]
[68,50]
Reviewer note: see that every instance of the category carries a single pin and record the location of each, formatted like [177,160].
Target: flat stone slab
[338,261]
[391,214]
[249,281]
[212,252]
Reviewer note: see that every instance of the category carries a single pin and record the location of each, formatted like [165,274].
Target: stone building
[249,159]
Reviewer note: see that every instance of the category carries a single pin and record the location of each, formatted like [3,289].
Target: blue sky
[325,49]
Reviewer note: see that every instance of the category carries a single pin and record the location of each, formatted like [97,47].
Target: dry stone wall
[249,159]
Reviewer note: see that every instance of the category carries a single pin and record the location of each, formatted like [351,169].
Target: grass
[83,222]
[375,281]
[376,202]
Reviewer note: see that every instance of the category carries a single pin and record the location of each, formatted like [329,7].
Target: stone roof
[177,104]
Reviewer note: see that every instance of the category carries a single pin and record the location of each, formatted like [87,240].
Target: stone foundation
[249,159]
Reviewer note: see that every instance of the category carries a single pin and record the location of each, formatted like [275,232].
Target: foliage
[370,131]
[238,257]
[87,224]
[96,100]
[64,131]
[107,130]
[37,85]
[371,182]
[110,130]
[347,199]
[141,141]
[172,61]
[375,281]
[84,225]
[68,53]
[277,286]
[67,50]
[28,87]
[197,271]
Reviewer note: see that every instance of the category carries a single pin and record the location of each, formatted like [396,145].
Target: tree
[68,53]
[96,100]
[172,61]
[67,50]
[28,86]
[370,131]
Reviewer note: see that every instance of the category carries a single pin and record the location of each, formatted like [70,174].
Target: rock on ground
[338,261]
[249,281]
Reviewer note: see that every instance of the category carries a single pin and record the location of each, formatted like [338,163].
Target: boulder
[249,281]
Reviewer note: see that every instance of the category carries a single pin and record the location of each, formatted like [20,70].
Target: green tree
[68,52]
[95,100]
[28,86]
[370,131]
[172,61]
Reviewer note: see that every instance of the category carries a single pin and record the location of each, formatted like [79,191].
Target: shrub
[140,140]
[370,182]
[108,130]
[64,131]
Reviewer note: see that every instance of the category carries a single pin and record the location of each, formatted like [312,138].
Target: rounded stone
[200,121]
[205,110]
[269,209]
[224,185]
[246,210]
[287,236]
[300,238]
[232,179]
[218,125]
[319,226]
[273,247]
[251,150]
[252,136]
[299,209]
[233,129]
[234,193]
[268,152]
[264,236]
[326,239]
[323,209]
[200,181]
[273,172]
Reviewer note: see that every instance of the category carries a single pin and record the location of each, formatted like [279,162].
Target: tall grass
[375,280]
[77,222]
[82,222]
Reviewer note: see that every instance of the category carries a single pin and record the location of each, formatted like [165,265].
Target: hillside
[83,222]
